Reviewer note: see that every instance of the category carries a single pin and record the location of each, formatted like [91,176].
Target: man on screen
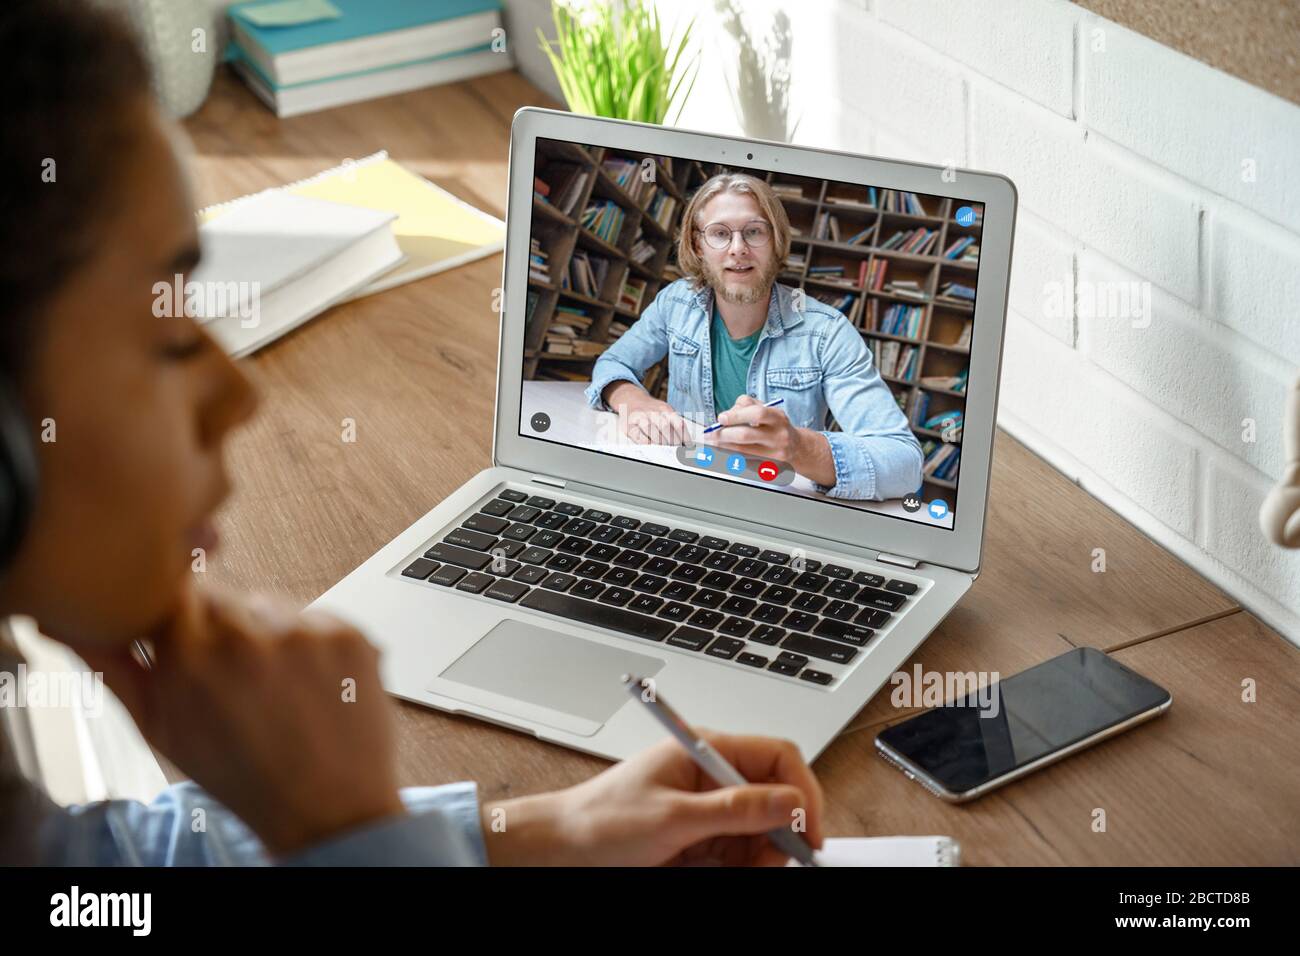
[736,340]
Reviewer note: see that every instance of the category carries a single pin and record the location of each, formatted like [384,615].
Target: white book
[277,259]
[354,88]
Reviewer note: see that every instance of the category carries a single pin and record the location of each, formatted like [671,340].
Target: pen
[714,764]
[714,428]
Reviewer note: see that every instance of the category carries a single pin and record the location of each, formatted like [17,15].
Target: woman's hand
[280,715]
[757,431]
[643,419]
[660,808]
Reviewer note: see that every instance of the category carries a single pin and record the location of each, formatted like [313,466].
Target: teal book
[360,18]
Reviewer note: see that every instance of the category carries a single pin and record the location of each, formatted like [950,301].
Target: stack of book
[957,290]
[908,288]
[302,57]
[953,383]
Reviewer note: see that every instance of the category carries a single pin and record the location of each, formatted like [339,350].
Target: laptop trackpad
[543,676]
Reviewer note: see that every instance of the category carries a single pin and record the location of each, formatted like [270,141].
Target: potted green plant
[626,69]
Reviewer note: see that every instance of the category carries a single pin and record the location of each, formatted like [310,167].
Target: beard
[743,292]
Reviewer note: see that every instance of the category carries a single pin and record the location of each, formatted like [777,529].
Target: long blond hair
[688,259]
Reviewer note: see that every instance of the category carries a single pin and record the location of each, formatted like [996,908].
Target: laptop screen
[807,336]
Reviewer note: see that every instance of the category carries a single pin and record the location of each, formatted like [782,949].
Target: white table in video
[574,422]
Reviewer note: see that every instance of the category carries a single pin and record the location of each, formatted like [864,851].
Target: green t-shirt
[730,363]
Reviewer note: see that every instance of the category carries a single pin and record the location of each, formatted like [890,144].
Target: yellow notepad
[435,230]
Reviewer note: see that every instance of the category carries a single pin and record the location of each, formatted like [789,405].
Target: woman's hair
[688,259]
[71,72]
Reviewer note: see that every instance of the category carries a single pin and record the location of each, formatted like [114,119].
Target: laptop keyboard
[754,606]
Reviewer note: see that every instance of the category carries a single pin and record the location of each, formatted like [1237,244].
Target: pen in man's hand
[716,426]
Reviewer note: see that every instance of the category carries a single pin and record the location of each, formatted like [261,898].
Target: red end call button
[768,470]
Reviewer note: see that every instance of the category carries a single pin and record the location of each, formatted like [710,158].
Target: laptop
[760,596]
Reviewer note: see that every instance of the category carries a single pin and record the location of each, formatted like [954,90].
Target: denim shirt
[813,358]
[184,826]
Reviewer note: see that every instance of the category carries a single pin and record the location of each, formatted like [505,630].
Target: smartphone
[1001,732]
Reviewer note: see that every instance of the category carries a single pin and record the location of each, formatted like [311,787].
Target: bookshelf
[874,254]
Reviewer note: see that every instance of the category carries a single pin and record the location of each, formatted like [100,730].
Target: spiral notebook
[889,851]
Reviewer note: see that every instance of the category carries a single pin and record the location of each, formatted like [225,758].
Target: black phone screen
[1018,720]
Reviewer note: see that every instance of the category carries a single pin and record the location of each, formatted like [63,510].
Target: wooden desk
[1215,781]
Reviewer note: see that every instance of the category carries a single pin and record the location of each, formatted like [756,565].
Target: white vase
[183,40]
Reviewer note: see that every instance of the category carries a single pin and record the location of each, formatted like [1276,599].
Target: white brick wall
[1134,163]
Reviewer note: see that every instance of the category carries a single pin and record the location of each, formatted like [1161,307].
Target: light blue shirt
[185,826]
[812,357]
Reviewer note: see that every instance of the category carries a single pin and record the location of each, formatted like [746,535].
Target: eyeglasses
[756,232]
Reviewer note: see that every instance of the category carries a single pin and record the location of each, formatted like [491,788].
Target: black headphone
[18,474]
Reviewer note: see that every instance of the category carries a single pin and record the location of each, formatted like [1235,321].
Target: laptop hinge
[895,559]
[548,481]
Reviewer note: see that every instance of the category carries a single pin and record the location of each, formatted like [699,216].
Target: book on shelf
[567,181]
[971,253]
[893,200]
[642,250]
[957,290]
[948,423]
[587,274]
[963,340]
[661,208]
[788,190]
[604,219]
[920,405]
[846,303]
[941,459]
[901,320]
[917,242]
[896,360]
[854,203]
[537,265]
[796,261]
[957,248]
[626,174]
[860,238]
[908,288]
[953,383]
[632,294]
[871,313]
[876,274]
